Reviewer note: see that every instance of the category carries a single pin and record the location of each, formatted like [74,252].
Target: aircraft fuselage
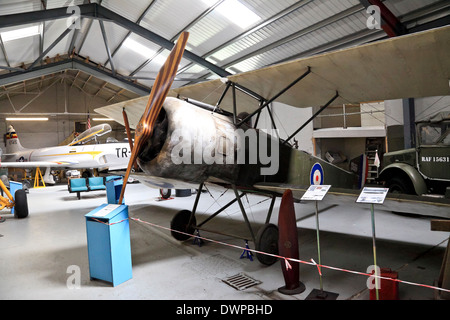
[112,155]
[191,145]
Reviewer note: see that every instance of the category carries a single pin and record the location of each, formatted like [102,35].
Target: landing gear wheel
[267,241]
[180,222]
[165,193]
[21,204]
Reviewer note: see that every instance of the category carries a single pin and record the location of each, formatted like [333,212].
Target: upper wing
[134,108]
[36,164]
[410,66]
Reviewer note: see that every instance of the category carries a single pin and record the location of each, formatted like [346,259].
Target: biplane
[185,137]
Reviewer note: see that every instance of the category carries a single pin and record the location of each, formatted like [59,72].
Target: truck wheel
[21,204]
[400,185]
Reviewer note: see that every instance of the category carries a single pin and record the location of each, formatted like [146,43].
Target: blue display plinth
[108,239]
[113,189]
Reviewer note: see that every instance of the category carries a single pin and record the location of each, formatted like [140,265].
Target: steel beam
[323,23]
[10,68]
[409,120]
[73,64]
[50,47]
[187,27]
[108,51]
[97,12]
[17,19]
[104,13]
[142,16]
[296,6]
[389,22]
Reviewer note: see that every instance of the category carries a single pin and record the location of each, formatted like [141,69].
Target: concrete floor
[37,252]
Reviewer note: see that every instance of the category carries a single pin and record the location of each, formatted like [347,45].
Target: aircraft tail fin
[12,141]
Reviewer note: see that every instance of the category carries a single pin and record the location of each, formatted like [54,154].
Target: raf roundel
[316,176]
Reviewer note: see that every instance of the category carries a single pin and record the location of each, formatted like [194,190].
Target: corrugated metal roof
[326,34]
[168,18]
[286,29]
[402,7]
[300,19]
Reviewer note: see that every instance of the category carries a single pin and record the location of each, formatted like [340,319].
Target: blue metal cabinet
[108,239]
[113,189]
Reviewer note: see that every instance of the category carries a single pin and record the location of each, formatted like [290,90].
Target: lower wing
[421,205]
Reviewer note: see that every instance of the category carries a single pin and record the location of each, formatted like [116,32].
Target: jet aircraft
[76,155]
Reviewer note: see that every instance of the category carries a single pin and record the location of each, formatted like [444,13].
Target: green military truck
[424,170]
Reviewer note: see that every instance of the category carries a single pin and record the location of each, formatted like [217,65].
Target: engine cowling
[184,141]
[194,145]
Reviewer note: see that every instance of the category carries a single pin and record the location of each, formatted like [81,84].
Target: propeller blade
[288,245]
[159,92]
[127,128]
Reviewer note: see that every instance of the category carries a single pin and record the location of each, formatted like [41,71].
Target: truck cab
[423,170]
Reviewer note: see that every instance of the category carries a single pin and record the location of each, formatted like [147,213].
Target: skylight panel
[139,48]
[20,33]
[237,13]
[144,51]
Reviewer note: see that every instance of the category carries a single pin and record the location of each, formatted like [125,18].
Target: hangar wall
[58,98]
[288,119]
[62,97]
[424,109]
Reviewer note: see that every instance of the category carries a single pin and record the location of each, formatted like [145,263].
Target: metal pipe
[50,47]
[108,51]
[220,210]
[241,206]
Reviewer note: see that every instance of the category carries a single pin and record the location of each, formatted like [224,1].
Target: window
[429,134]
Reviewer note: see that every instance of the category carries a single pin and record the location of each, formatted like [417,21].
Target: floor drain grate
[241,281]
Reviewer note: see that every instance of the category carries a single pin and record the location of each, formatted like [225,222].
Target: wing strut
[275,97]
[312,118]
[127,128]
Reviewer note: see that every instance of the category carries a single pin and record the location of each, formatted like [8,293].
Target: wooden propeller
[159,92]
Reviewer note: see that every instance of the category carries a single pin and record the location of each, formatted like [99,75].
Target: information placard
[372,195]
[106,210]
[316,192]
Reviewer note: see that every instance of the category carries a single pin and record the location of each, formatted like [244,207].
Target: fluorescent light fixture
[238,13]
[139,48]
[102,119]
[26,119]
[20,33]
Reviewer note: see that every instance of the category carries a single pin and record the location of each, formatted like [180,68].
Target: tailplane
[12,141]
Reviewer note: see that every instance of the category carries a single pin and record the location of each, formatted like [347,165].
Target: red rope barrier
[286,259]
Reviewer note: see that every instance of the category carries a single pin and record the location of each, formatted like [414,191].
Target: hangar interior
[60,60]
